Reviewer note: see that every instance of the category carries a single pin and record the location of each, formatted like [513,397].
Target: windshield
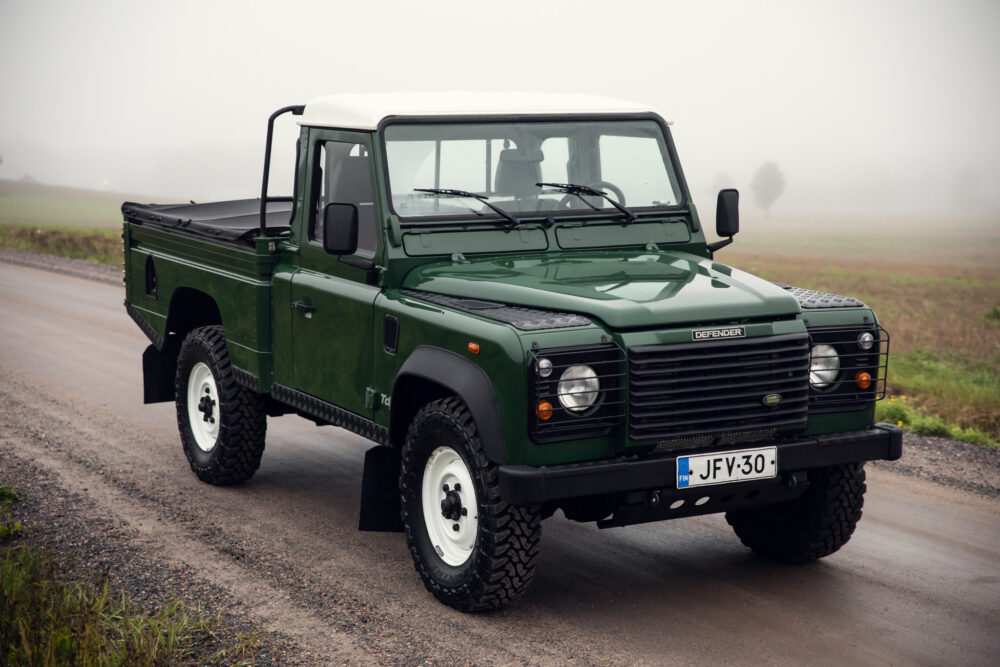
[518,167]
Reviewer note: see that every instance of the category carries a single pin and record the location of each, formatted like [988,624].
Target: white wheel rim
[203,406]
[445,468]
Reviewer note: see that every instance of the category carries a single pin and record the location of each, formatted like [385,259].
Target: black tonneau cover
[229,220]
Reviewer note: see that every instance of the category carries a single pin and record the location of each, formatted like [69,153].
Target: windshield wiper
[578,190]
[514,222]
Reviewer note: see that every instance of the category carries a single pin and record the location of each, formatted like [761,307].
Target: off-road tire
[239,446]
[502,562]
[813,526]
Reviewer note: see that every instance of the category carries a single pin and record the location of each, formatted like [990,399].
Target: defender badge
[719,334]
[771,400]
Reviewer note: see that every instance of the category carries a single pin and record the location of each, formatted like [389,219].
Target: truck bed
[236,220]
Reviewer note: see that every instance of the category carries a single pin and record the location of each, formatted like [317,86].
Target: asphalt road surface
[918,584]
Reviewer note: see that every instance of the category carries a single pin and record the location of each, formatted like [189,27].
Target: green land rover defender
[511,295]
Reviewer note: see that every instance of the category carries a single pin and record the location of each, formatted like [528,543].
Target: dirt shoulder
[950,463]
[77,268]
[92,542]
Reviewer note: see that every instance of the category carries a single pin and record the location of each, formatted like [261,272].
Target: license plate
[724,467]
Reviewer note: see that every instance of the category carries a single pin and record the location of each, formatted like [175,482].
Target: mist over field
[885,107]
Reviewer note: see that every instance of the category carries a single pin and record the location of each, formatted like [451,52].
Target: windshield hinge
[459,258]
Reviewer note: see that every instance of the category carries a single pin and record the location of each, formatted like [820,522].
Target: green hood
[625,290]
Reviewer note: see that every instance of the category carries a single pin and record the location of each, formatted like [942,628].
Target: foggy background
[877,106]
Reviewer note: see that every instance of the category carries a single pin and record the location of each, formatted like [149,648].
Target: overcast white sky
[887,105]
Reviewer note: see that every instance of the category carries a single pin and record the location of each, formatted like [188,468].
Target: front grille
[677,392]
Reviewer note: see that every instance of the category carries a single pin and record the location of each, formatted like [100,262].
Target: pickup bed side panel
[175,279]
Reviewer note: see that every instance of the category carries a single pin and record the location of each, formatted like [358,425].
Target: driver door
[332,301]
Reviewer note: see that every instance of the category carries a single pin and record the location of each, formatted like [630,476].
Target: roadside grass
[896,410]
[51,615]
[944,351]
[8,526]
[102,245]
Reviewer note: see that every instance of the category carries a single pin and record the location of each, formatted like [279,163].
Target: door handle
[307,308]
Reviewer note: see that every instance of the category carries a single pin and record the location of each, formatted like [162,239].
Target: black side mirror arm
[712,247]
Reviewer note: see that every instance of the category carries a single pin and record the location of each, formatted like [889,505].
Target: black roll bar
[296,110]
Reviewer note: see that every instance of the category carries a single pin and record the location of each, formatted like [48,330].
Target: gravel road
[106,480]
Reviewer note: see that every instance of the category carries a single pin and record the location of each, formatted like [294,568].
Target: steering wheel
[573,201]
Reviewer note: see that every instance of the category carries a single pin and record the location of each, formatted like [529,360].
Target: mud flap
[380,491]
[158,371]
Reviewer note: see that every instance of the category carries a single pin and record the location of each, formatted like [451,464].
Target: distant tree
[767,185]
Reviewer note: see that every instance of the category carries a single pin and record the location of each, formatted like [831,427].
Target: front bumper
[526,485]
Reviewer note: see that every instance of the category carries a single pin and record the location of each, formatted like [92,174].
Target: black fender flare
[468,381]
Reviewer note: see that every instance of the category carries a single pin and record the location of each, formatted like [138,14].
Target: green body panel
[648,283]
[840,421]
[422,323]
[332,354]
[625,288]
[236,278]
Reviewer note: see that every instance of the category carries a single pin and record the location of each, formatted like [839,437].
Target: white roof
[366,110]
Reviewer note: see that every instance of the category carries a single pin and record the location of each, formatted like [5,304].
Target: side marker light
[474,348]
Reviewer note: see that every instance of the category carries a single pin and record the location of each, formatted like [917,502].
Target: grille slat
[642,395]
[791,350]
[797,368]
[677,391]
[791,363]
[773,388]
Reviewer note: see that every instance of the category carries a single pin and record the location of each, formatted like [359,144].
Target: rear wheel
[473,550]
[814,525]
[222,424]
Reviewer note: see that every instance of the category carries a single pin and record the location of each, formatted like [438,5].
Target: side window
[344,177]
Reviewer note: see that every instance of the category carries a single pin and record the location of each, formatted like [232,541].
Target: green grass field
[46,205]
[934,283]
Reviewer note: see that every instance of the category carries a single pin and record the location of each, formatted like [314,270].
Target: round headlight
[824,365]
[578,388]
[866,340]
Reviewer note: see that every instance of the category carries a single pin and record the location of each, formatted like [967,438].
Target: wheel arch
[430,373]
[189,309]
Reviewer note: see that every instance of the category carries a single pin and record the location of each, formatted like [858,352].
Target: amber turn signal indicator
[474,348]
[543,410]
[863,379]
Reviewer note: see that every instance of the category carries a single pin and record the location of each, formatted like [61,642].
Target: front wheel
[814,525]
[473,550]
[222,424]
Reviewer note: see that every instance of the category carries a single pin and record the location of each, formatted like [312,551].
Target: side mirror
[727,218]
[727,213]
[340,229]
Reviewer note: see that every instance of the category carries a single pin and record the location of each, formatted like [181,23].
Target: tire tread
[510,536]
[816,525]
[243,419]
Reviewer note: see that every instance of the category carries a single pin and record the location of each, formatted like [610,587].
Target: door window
[344,177]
